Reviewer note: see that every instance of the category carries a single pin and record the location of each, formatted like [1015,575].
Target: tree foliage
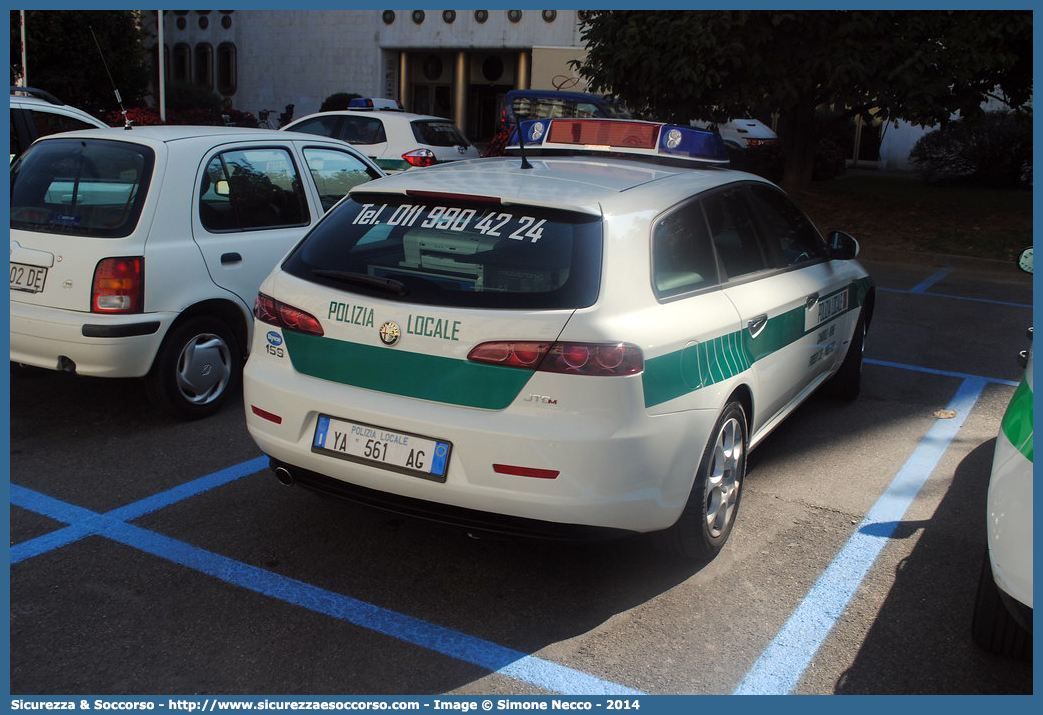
[992,150]
[63,58]
[920,66]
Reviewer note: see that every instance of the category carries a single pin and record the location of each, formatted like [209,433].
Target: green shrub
[993,149]
[337,101]
[192,96]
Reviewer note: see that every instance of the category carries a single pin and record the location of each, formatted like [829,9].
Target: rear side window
[363,130]
[682,255]
[438,133]
[51,123]
[252,189]
[452,253]
[328,126]
[82,187]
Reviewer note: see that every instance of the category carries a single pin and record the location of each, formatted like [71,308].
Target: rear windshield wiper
[388,285]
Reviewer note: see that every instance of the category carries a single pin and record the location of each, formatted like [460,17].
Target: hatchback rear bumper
[86,343]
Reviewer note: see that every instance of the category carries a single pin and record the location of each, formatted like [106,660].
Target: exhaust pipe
[284,476]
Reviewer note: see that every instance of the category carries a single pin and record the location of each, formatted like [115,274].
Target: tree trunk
[799,136]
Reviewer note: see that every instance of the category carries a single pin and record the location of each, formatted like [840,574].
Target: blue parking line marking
[926,284]
[943,373]
[1005,303]
[112,525]
[781,666]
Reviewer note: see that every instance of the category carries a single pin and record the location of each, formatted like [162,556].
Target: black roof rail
[38,93]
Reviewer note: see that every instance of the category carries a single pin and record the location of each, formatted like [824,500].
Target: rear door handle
[233,257]
[756,325]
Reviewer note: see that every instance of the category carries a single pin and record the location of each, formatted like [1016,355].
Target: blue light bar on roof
[622,136]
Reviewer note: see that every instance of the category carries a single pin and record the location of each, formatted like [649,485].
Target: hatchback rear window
[435,132]
[454,253]
[81,187]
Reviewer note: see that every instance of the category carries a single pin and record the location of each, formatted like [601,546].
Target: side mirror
[221,188]
[842,246]
[1025,259]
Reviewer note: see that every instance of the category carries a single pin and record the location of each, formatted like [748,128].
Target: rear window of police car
[438,133]
[74,186]
[455,253]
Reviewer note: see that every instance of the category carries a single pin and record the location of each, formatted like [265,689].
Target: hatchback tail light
[420,157]
[119,285]
[606,359]
[274,312]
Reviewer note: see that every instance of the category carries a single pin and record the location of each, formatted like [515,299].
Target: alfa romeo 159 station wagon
[582,338]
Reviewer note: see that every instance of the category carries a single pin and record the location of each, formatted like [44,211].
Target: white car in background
[36,113]
[741,133]
[394,139]
[583,341]
[138,253]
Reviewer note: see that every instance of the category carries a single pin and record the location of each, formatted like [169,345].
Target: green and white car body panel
[616,451]
[1010,497]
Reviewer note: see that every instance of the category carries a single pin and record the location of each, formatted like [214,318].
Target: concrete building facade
[453,63]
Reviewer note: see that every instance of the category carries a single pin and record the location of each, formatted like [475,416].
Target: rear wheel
[994,628]
[713,504]
[196,368]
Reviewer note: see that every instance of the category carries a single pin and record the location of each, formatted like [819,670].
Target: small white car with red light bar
[138,253]
[395,140]
[583,338]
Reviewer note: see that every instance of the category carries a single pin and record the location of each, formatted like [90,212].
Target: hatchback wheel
[709,515]
[197,367]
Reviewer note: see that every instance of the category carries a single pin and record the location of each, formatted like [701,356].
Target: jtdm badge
[390,333]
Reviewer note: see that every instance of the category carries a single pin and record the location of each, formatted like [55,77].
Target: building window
[514,15]
[227,69]
[226,19]
[205,65]
[449,16]
[204,22]
[181,67]
[181,23]
[388,16]
[480,16]
[549,15]
[418,17]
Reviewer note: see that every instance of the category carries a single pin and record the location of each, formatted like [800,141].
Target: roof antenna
[119,100]
[521,145]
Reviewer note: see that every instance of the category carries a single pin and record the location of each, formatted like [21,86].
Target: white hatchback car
[395,140]
[742,133]
[553,344]
[138,253]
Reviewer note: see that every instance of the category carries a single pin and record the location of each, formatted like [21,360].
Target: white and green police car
[1003,607]
[583,340]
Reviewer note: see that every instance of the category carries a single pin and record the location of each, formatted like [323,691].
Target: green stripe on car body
[468,384]
[425,377]
[1017,420]
[673,375]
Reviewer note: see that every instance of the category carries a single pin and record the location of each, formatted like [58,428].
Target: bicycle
[267,120]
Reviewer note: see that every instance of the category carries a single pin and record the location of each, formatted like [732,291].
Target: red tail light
[606,359]
[273,312]
[420,157]
[119,285]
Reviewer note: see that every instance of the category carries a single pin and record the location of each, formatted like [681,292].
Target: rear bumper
[88,343]
[470,519]
[617,467]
